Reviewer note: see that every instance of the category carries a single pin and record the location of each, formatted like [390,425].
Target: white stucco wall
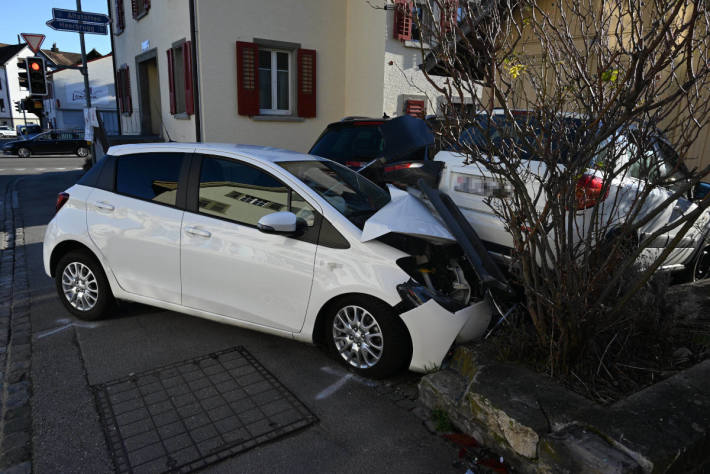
[12,88]
[166,22]
[68,89]
[5,115]
[403,78]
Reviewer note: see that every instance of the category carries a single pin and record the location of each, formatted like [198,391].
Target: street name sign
[34,41]
[64,25]
[73,15]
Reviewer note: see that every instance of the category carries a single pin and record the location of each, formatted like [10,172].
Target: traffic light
[24,80]
[37,76]
[32,75]
[18,106]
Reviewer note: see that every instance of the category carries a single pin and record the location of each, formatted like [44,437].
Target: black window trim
[180,196]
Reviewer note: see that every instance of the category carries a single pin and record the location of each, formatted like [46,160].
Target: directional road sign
[73,15]
[34,41]
[63,25]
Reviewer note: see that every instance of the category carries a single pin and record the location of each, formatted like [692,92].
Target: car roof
[262,154]
[357,120]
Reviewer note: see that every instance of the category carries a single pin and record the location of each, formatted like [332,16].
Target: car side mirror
[278,223]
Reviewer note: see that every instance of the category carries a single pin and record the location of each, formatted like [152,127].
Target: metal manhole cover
[190,414]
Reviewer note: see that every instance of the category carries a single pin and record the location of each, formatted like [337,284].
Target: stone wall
[540,426]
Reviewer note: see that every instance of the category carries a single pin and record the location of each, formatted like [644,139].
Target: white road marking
[76,324]
[338,384]
[40,169]
[20,169]
[331,389]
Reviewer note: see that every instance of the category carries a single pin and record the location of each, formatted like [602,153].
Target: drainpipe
[195,75]
[113,60]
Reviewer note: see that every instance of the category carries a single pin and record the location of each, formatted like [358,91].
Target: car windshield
[354,142]
[498,133]
[355,196]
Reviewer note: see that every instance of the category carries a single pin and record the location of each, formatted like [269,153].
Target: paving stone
[15,352]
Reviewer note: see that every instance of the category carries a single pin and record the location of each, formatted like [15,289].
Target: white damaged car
[271,240]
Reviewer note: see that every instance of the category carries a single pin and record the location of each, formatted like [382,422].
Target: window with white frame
[275,82]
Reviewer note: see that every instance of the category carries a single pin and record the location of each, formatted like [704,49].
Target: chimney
[54,48]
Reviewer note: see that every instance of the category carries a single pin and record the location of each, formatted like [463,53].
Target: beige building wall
[313,24]
[365,59]
[165,23]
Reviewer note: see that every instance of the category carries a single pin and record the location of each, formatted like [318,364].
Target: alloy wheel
[357,337]
[23,153]
[80,286]
[82,151]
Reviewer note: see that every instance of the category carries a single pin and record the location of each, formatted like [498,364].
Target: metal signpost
[80,22]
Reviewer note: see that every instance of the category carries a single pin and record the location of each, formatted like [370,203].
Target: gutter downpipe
[113,60]
[195,75]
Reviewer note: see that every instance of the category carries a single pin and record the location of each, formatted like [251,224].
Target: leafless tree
[565,92]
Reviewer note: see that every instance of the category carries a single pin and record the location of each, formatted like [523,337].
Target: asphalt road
[12,165]
[361,429]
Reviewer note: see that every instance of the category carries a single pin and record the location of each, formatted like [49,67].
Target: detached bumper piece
[487,271]
[434,329]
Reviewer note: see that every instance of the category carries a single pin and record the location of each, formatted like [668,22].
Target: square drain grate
[190,414]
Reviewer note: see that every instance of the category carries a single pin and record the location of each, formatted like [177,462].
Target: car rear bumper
[433,330]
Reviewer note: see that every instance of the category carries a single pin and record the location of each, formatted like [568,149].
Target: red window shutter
[119,89]
[134,8]
[449,15]
[127,99]
[306,61]
[415,108]
[120,16]
[189,89]
[171,80]
[247,78]
[403,19]
[122,90]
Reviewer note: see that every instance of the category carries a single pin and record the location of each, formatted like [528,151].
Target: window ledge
[141,15]
[416,44]
[277,118]
[181,116]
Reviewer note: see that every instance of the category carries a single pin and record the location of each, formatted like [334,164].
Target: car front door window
[244,194]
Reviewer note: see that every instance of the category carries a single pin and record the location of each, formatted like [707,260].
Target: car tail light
[355,164]
[368,122]
[62,199]
[588,191]
[402,166]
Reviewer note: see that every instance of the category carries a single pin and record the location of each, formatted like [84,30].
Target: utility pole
[85,67]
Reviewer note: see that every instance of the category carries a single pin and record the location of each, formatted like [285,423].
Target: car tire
[23,152]
[82,151]
[367,336]
[82,286]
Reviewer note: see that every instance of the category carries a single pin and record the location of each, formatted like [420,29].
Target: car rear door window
[244,194]
[149,176]
[351,143]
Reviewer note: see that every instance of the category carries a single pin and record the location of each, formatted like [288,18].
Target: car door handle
[105,206]
[197,232]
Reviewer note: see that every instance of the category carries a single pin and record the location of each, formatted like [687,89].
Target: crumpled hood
[404,214]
